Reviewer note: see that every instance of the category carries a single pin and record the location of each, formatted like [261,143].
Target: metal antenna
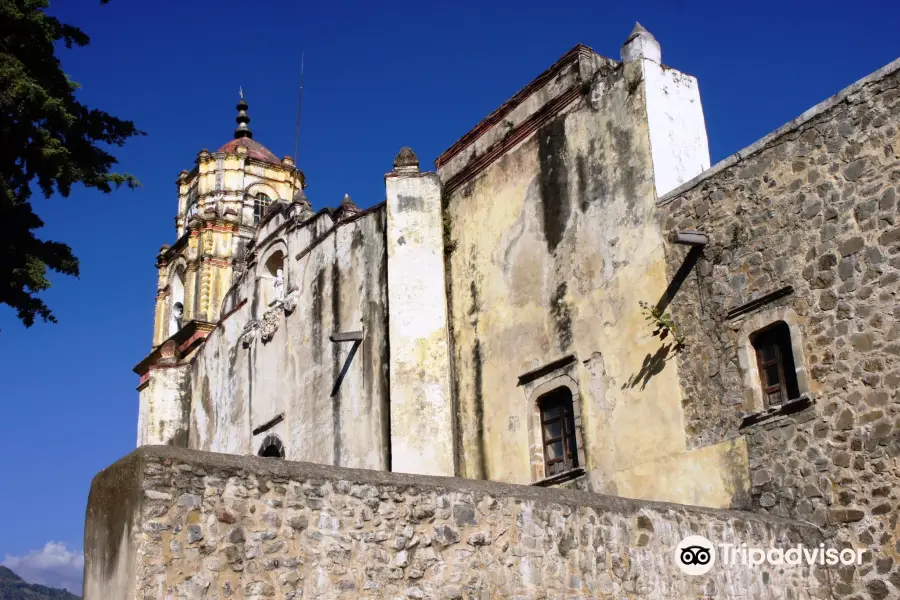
[299,104]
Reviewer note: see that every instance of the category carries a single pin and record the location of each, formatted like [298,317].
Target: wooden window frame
[778,338]
[561,398]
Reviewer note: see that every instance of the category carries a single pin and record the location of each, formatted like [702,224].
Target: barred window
[558,431]
[261,203]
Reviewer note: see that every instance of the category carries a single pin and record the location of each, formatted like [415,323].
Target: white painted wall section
[678,141]
[162,416]
[421,406]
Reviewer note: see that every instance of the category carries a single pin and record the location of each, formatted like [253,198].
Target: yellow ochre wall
[552,247]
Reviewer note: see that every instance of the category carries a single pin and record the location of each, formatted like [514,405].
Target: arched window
[271,447]
[261,203]
[176,296]
[775,361]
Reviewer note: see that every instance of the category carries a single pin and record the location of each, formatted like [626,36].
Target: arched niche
[271,447]
[272,274]
[176,298]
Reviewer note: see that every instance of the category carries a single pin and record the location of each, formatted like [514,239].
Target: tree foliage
[13,587]
[48,140]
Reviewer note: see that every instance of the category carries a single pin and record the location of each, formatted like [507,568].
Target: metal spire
[243,129]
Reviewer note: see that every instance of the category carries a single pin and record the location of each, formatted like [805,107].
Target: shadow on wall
[664,326]
[346,367]
[653,365]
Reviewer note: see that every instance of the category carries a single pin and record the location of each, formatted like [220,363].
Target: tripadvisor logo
[696,555]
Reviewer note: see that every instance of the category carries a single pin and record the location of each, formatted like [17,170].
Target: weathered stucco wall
[552,248]
[266,361]
[814,207]
[201,525]
[112,524]
[164,406]
[421,407]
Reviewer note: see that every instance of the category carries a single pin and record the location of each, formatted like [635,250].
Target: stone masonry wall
[815,207]
[190,524]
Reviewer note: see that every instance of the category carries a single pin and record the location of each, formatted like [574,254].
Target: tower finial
[641,45]
[243,129]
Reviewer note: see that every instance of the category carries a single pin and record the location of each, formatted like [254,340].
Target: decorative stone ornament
[304,208]
[250,333]
[641,44]
[406,161]
[268,325]
[289,304]
[346,209]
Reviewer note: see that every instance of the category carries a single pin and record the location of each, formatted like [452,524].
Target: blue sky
[378,76]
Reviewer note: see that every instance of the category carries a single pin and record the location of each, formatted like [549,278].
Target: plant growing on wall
[663,324]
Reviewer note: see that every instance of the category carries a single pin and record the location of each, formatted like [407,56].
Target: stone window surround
[561,376]
[752,395]
[250,193]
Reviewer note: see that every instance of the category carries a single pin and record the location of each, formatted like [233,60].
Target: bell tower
[221,202]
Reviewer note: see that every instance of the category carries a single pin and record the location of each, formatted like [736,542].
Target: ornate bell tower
[220,203]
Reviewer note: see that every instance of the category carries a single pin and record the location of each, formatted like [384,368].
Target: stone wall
[814,207]
[168,522]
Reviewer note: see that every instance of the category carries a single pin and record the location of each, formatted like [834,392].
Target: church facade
[573,298]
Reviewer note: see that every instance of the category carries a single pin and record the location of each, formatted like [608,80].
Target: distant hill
[13,587]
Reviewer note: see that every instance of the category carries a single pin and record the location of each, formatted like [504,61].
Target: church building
[572,297]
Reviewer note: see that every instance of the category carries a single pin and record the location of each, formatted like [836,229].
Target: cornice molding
[181,342]
[542,116]
[569,58]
